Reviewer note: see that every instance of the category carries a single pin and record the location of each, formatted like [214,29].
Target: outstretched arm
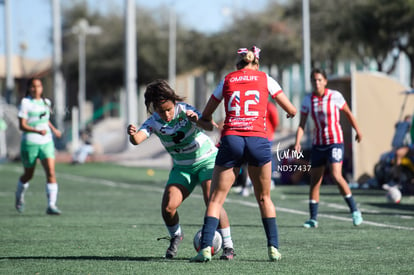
[206,120]
[285,103]
[204,124]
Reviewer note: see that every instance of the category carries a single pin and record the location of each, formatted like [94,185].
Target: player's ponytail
[248,56]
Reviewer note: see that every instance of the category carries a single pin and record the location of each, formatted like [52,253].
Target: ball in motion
[393,195]
[217,242]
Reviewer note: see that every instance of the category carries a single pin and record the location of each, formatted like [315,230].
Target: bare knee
[263,199]
[27,175]
[169,209]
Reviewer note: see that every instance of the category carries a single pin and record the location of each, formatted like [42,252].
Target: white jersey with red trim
[245,94]
[325,113]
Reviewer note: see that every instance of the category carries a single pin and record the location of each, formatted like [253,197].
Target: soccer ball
[393,195]
[217,242]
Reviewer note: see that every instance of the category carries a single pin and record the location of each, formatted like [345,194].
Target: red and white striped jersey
[325,113]
[245,94]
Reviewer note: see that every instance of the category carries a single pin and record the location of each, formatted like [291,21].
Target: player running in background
[244,139]
[37,143]
[323,105]
[193,153]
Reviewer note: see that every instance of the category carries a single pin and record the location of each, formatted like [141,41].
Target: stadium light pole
[130,64]
[9,54]
[172,40]
[58,87]
[306,44]
[83,29]
[306,57]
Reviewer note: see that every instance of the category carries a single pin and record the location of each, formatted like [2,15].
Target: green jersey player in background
[37,143]
[193,153]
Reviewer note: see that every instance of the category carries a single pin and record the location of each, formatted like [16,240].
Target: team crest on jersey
[149,128]
[182,122]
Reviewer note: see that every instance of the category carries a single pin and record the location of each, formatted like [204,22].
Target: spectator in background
[85,149]
[272,120]
[403,148]
[412,129]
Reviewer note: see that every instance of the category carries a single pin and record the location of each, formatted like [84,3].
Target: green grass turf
[111,221]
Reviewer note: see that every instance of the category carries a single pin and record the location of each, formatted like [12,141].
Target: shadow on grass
[356,192]
[85,258]
[399,206]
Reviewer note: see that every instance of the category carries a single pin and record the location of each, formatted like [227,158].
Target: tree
[105,53]
[265,29]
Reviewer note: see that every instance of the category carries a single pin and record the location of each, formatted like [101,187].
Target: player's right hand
[131,129]
[42,132]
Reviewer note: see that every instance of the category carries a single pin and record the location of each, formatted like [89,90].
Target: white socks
[226,235]
[21,189]
[51,192]
[174,230]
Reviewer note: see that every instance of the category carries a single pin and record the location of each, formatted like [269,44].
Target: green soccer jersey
[187,144]
[37,114]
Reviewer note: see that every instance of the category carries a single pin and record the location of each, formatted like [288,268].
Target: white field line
[241,202]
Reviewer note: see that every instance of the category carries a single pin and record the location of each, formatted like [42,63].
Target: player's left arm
[286,105]
[352,120]
[277,94]
[207,125]
[55,131]
[206,120]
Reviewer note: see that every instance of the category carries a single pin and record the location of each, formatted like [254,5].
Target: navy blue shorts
[321,154]
[236,150]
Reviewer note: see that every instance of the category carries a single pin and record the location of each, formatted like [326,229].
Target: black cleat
[173,248]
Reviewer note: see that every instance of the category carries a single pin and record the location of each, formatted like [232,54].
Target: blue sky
[31,20]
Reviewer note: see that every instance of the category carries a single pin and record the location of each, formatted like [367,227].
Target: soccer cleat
[357,218]
[19,205]
[274,254]
[53,211]
[228,254]
[204,255]
[173,248]
[310,224]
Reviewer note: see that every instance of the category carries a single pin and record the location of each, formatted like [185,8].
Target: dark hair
[318,71]
[157,92]
[29,84]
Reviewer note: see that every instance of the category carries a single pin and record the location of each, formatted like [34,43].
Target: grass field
[111,221]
